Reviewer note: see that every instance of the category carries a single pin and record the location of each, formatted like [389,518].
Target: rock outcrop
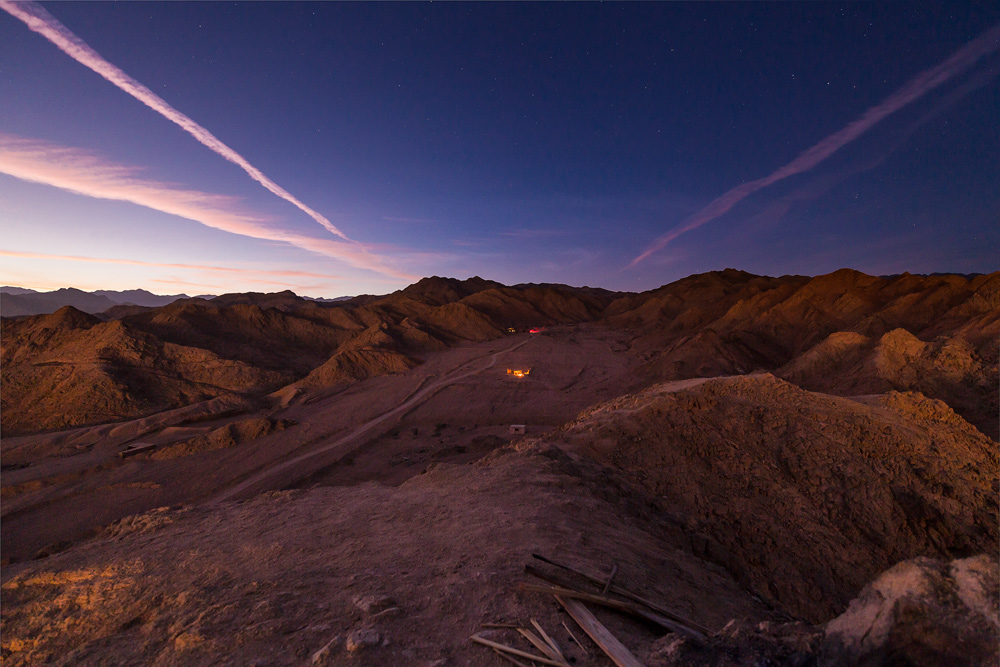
[805,497]
[922,612]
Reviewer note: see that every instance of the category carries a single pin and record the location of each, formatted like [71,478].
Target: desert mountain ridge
[798,470]
[843,333]
[56,299]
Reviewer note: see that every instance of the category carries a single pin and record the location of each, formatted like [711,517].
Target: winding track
[261,478]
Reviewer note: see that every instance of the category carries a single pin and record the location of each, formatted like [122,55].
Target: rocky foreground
[756,534]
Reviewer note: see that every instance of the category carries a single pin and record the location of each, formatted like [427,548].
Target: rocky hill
[59,374]
[808,496]
[738,530]
[69,368]
[844,333]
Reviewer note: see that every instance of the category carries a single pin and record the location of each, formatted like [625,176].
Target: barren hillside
[844,333]
[69,368]
[809,495]
[262,479]
[404,572]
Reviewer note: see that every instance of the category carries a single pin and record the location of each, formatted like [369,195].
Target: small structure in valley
[517,429]
[136,448]
[518,372]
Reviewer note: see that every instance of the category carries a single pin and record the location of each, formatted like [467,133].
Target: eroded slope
[810,495]
[69,368]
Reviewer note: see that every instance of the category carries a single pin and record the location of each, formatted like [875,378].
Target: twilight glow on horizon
[346,148]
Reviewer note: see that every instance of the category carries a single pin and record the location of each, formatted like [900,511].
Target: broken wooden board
[548,640]
[640,611]
[510,659]
[513,651]
[611,578]
[615,650]
[542,646]
[620,590]
[575,640]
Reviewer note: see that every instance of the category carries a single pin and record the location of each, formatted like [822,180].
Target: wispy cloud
[84,173]
[531,233]
[224,270]
[413,220]
[243,276]
[174,283]
[570,259]
[299,289]
[916,88]
[40,21]
[811,190]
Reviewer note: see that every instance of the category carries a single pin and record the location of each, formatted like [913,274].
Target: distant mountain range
[7,289]
[17,301]
[20,301]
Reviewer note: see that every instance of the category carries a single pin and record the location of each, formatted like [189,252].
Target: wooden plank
[619,590]
[619,605]
[513,651]
[512,660]
[541,645]
[619,655]
[611,577]
[139,448]
[548,640]
[573,637]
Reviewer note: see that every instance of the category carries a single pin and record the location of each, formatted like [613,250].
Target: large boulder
[922,612]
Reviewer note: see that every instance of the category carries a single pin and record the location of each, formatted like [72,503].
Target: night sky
[534,142]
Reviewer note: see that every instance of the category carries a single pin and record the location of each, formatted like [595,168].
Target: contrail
[83,173]
[809,191]
[40,21]
[917,87]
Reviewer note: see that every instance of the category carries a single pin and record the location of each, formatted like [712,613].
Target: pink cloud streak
[82,173]
[917,87]
[43,23]
[174,283]
[248,273]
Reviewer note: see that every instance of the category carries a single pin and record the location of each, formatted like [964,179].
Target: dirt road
[263,479]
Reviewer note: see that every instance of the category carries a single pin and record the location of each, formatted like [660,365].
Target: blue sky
[520,142]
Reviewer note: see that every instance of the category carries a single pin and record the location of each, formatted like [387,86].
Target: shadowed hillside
[69,368]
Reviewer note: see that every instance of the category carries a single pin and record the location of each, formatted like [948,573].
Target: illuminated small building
[518,372]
